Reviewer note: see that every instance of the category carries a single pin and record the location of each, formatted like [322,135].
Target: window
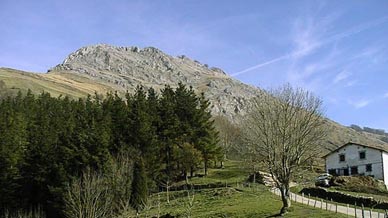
[333,172]
[362,155]
[354,170]
[368,168]
[342,157]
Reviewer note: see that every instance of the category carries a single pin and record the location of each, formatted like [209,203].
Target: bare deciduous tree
[101,195]
[229,134]
[285,128]
[88,197]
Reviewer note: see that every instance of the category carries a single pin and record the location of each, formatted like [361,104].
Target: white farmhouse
[356,159]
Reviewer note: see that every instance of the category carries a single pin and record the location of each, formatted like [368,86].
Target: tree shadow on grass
[276,215]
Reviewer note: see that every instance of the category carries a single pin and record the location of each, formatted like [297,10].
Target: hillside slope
[103,68]
[12,81]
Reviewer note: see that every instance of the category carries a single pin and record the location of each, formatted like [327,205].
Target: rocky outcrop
[127,67]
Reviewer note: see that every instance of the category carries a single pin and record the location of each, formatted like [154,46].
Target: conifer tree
[189,158]
[153,159]
[168,132]
[206,134]
[13,141]
[139,193]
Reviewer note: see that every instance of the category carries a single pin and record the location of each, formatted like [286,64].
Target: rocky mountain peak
[103,57]
[125,68]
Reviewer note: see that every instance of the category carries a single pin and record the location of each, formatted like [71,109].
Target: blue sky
[337,49]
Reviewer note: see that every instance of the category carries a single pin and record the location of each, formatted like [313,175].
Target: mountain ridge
[127,67]
[103,68]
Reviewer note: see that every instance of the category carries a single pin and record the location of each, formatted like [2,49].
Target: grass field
[232,201]
[229,202]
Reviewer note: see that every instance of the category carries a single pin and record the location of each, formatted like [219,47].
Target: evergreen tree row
[47,142]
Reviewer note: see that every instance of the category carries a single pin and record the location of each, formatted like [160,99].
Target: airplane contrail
[339,36]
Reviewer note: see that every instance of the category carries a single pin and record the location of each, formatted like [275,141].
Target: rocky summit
[103,68]
[127,67]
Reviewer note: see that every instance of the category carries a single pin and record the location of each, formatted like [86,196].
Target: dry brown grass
[56,84]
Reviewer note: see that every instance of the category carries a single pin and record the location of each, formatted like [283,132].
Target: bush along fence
[196,186]
[345,198]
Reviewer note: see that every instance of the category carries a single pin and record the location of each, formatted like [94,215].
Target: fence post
[296,197]
[308,200]
[315,202]
[331,203]
[336,207]
[355,209]
[326,203]
[370,213]
[302,197]
[347,209]
[362,208]
[321,204]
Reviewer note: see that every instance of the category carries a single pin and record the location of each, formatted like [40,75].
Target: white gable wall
[385,168]
[352,159]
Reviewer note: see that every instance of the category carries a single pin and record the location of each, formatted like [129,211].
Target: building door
[346,172]
[354,170]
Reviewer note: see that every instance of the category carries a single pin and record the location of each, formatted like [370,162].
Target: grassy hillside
[232,201]
[339,135]
[12,81]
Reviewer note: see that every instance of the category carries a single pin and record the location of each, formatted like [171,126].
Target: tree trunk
[167,191]
[186,178]
[191,172]
[206,162]
[285,192]
[254,174]
[222,161]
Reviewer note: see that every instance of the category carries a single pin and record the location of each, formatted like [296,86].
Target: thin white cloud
[262,65]
[351,83]
[313,74]
[386,95]
[305,36]
[360,103]
[368,52]
[306,48]
[343,75]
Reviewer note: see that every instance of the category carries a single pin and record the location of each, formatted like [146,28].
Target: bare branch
[285,128]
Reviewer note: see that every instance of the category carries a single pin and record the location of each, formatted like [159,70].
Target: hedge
[345,198]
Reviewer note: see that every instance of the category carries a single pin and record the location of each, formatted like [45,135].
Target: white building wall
[385,167]
[352,158]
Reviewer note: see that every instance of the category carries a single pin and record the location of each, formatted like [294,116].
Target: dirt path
[350,211]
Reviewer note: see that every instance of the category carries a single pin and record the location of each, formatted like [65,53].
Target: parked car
[323,180]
